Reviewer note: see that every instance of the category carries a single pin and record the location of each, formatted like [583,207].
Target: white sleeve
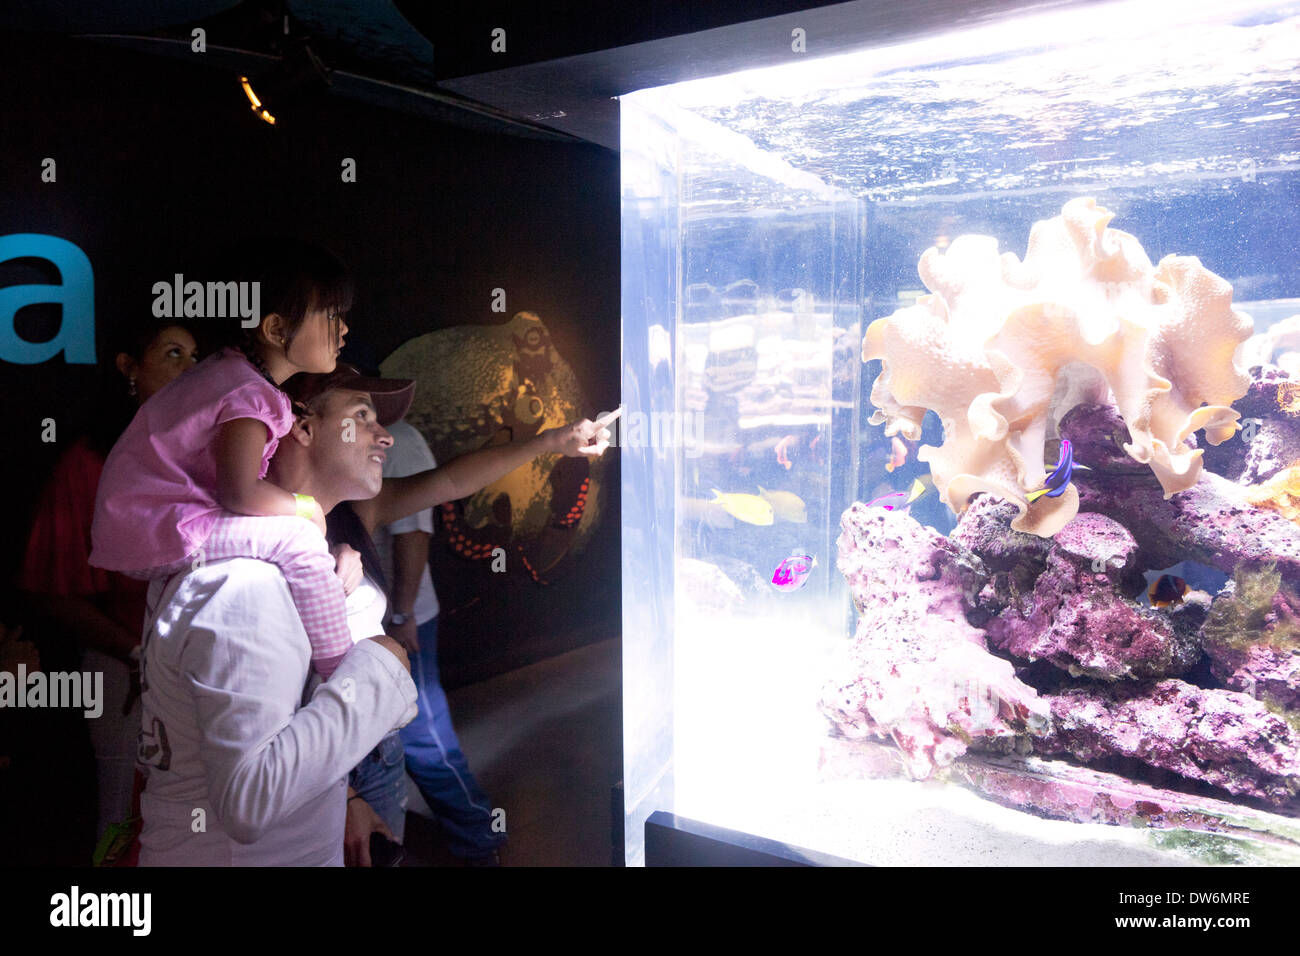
[409,455]
[264,754]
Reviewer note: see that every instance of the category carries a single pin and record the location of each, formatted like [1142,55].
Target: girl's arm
[239,447]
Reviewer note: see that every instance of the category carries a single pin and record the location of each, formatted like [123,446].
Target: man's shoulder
[229,580]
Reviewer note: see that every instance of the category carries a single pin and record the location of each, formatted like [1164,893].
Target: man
[246,767]
[377,804]
[247,761]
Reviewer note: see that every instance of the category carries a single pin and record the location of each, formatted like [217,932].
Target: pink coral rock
[1076,618]
[1220,737]
[918,672]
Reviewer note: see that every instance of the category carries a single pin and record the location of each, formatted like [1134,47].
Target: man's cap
[392,396]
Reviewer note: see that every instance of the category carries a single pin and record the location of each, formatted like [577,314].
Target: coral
[1210,523]
[1270,436]
[1220,737]
[1257,610]
[1077,618]
[1003,349]
[1281,493]
[705,589]
[1252,636]
[917,671]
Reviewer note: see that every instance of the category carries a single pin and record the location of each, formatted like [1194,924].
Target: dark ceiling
[557,77]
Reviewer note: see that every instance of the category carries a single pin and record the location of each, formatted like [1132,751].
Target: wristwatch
[399,618]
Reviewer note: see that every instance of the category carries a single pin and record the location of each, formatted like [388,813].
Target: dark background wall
[160,161]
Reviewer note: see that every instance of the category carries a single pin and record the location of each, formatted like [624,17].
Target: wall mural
[478,386]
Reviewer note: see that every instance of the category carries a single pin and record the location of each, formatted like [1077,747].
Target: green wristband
[306,506]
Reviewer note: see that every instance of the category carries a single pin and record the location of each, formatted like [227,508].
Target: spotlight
[256,103]
[298,74]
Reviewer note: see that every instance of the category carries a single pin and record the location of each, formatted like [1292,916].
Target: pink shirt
[156,503]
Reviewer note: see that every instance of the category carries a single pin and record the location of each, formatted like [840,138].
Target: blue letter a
[76,338]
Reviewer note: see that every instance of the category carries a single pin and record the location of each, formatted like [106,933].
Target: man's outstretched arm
[463,476]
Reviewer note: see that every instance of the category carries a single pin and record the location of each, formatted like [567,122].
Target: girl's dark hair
[116,407]
[293,277]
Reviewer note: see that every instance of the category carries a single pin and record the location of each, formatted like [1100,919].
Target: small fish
[781,448]
[750,509]
[786,505]
[1060,476]
[897,455]
[1166,591]
[899,499]
[792,573]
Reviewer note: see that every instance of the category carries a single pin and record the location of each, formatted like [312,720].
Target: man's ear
[303,429]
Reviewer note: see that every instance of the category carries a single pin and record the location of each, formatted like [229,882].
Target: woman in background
[101,611]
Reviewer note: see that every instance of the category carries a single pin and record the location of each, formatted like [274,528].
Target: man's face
[349,445]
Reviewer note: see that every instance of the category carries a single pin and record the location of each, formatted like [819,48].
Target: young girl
[184,484]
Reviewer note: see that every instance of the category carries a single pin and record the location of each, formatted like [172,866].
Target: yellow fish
[750,509]
[786,504]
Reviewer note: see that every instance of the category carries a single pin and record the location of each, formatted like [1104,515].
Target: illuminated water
[768,218]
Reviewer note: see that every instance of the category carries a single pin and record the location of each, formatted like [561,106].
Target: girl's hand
[347,565]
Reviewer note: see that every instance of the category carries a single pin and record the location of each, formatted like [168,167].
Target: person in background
[101,611]
[433,755]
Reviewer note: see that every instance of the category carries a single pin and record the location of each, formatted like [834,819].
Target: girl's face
[316,346]
[172,351]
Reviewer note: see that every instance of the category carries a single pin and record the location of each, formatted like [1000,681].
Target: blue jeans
[380,779]
[435,763]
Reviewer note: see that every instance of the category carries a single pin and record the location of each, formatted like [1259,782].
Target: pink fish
[781,447]
[898,454]
[899,499]
[792,573]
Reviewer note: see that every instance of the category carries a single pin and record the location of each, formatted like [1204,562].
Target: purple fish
[792,573]
[895,499]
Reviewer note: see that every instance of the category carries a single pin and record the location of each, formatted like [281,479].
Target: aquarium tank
[961,444]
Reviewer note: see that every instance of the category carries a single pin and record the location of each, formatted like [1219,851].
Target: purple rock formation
[917,671]
[1221,737]
[1077,618]
[1209,523]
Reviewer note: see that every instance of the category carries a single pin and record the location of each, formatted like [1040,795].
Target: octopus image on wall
[478,386]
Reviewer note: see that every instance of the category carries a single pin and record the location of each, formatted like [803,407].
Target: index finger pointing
[606,419]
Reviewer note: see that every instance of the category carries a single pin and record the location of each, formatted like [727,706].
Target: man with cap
[247,759]
[377,787]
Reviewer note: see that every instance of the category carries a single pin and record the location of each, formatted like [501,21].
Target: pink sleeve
[266,403]
[260,400]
